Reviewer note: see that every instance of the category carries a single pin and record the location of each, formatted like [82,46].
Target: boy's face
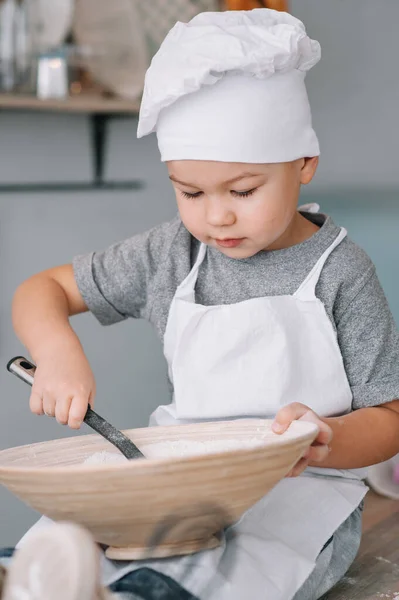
[240,208]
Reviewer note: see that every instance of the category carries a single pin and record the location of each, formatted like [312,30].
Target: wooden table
[100,110]
[375,573]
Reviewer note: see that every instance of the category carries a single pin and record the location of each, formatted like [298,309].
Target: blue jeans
[143,584]
[146,584]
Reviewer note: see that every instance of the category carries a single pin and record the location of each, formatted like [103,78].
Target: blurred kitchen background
[74,178]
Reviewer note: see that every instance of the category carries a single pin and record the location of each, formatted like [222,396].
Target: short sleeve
[369,342]
[120,282]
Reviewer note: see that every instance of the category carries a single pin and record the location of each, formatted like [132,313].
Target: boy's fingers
[325,433]
[91,399]
[48,405]
[287,414]
[77,411]
[62,410]
[319,453]
[36,403]
[299,467]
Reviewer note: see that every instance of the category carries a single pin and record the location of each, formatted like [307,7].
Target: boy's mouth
[229,242]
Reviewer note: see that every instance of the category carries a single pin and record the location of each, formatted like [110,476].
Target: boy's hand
[319,450]
[63,386]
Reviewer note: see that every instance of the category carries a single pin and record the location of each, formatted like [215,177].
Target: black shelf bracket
[99,138]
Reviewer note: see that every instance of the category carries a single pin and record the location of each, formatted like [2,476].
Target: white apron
[250,359]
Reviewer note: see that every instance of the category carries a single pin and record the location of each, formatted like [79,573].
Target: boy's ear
[309,169]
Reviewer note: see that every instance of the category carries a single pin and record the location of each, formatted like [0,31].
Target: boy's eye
[243,194]
[192,195]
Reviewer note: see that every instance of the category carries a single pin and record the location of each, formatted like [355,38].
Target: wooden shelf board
[75,104]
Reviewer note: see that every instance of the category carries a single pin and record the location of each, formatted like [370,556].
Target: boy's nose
[219,213]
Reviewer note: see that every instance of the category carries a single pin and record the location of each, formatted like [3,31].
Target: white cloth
[230,87]
[282,347]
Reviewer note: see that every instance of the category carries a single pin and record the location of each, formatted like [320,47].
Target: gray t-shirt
[138,278]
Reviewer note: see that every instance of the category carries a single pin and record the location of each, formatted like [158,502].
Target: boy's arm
[364,437]
[114,284]
[369,342]
[361,438]
[41,309]
[64,383]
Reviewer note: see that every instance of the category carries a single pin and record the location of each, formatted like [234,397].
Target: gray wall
[354,89]
[354,93]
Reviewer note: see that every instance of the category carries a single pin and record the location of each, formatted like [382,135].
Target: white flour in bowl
[178,449]
[102,458]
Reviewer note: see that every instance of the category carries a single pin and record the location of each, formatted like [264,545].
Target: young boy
[263,310]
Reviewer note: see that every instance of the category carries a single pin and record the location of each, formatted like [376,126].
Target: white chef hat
[230,87]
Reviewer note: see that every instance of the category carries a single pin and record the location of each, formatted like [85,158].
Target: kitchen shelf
[100,110]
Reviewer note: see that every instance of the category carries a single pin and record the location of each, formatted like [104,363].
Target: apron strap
[187,286]
[313,207]
[307,289]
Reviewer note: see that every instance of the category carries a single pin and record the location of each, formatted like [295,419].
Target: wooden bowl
[155,507]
